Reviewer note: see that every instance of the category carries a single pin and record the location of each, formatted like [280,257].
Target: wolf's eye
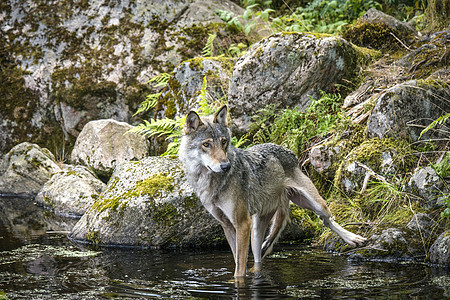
[206,144]
[224,142]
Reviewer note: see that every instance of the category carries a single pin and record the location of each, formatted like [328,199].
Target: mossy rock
[71,191]
[286,69]
[404,110]
[25,169]
[68,63]
[387,157]
[391,245]
[148,203]
[377,30]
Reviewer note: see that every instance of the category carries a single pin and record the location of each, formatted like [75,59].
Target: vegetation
[295,129]
[317,15]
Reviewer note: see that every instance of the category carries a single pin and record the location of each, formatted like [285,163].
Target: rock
[375,16]
[286,69]
[433,46]
[25,223]
[323,157]
[377,30]
[427,187]
[66,64]
[25,169]
[440,250]
[387,158]
[148,203]
[103,144]
[391,244]
[71,191]
[404,110]
[423,224]
[185,84]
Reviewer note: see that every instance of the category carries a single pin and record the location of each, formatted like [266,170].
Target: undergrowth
[295,129]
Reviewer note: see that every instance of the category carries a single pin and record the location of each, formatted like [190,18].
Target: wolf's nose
[225,166]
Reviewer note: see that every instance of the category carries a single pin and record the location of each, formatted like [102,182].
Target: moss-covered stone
[148,203]
[388,157]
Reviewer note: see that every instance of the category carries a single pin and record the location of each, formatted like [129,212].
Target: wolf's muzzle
[225,166]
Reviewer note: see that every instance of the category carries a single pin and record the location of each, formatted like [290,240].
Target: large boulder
[66,63]
[104,144]
[71,191]
[440,250]
[25,169]
[286,69]
[183,91]
[148,203]
[405,109]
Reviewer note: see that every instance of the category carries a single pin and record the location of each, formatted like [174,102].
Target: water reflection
[37,261]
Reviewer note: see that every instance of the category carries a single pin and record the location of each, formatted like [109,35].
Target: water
[37,261]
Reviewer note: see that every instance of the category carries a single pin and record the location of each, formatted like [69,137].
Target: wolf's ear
[221,116]
[192,122]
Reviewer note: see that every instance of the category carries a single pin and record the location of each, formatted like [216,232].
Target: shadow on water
[37,261]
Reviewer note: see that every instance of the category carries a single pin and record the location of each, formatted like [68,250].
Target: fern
[149,103]
[208,50]
[293,128]
[439,121]
[160,80]
[169,128]
[155,127]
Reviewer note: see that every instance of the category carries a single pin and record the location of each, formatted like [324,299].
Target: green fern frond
[208,50]
[160,80]
[149,103]
[439,121]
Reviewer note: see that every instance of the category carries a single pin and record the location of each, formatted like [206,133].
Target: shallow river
[37,261]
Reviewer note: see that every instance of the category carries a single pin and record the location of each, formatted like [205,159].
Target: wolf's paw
[355,240]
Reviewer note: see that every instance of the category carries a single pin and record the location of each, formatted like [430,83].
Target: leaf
[208,50]
[439,121]
[160,80]
[149,103]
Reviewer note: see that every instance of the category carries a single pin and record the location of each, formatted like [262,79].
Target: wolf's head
[206,142]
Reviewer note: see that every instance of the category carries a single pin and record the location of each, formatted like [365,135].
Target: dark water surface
[37,261]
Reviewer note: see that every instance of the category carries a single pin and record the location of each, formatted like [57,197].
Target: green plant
[439,121]
[443,170]
[252,17]
[208,50]
[172,129]
[159,81]
[295,129]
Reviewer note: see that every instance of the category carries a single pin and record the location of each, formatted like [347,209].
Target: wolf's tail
[278,222]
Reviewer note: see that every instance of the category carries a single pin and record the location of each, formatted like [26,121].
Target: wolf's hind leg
[304,194]
[259,228]
[279,221]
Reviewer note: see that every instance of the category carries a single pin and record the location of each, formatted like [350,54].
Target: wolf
[248,191]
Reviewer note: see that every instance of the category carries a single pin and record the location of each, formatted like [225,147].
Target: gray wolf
[248,191]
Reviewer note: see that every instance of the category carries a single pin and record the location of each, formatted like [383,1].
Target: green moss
[370,153]
[154,184]
[373,35]
[93,237]
[165,214]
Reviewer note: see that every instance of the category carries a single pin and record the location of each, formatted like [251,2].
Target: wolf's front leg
[242,223]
